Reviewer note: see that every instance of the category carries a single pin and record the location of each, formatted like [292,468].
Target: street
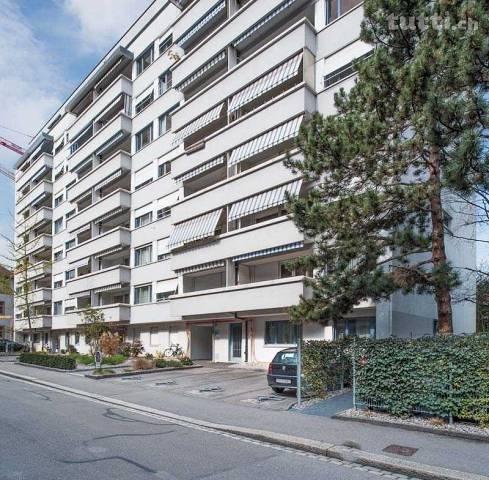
[48,434]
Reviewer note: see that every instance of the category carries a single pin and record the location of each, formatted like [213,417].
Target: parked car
[10,346]
[282,371]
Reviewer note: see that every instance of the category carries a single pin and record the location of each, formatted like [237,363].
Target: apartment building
[156,192]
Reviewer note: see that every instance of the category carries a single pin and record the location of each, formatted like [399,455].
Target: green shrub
[51,361]
[160,363]
[84,359]
[186,361]
[164,363]
[113,359]
[174,363]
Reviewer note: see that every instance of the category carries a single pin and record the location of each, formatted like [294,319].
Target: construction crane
[15,148]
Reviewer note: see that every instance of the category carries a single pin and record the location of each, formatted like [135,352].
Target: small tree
[110,343]
[93,328]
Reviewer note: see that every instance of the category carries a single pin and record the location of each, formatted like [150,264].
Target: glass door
[235,342]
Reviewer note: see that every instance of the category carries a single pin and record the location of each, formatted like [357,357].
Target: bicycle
[174,350]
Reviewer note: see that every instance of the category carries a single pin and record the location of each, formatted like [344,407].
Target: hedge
[52,361]
[439,376]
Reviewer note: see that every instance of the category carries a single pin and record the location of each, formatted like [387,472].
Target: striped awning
[110,214]
[39,174]
[109,143]
[109,179]
[200,122]
[268,140]
[109,251]
[81,229]
[201,267]
[262,22]
[85,293]
[200,169]
[276,77]
[197,74]
[213,12]
[269,251]
[195,229]
[264,200]
[108,288]
[80,263]
[82,165]
[39,198]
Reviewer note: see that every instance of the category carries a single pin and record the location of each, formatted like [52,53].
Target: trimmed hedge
[51,361]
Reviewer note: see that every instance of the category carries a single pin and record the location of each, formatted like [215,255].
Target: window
[58,225]
[163,296]
[288,269]
[343,72]
[77,338]
[164,169]
[144,60]
[336,8]
[360,327]
[70,244]
[58,200]
[58,255]
[58,284]
[165,82]
[165,44]
[163,212]
[164,122]
[142,294]
[163,252]
[140,106]
[153,336]
[2,308]
[280,332]
[144,137]
[143,220]
[70,213]
[57,308]
[69,274]
[142,256]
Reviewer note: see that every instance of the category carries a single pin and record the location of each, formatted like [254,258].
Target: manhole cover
[167,382]
[126,379]
[211,388]
[269,398]
[400,450]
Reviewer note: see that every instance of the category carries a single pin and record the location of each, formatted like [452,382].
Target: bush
[84,359]
[160,363]
[72,349]
[109,343]
[140,363]
[186,361]
[125,349]
[149,356]
[114,359]
[133,349]
[51,361]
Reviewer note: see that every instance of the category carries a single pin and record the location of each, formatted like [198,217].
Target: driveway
[220,382]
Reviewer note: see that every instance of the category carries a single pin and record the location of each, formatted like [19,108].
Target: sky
[46,48]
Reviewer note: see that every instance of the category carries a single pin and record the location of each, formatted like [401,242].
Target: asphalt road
[46,434]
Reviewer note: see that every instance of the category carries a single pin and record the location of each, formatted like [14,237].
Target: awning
[200,169]
[269,251]
[109,179]
[110,214]
[80,263]
[39,174]
[202,267]
[195,229]
[85,293]
[263,200]
[200,122]
[197,74]
[101,82]
[276,11]
[82,229]
[109,251]
[109,143]
[169,285]
[39,198]
[201,23]
[281,74]
[108,288]
[82,165]
[259,144]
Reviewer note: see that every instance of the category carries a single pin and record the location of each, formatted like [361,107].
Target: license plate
[283,380]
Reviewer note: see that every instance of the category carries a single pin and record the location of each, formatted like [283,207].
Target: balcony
[119,237]
[117,200]
[37,245]
[38,194]
[269,234]
[42,216]
[37,323]
[102,278]
[120,162]
[40,269]
[245,299]
[112,133]
[37,169]
[113,314]
[41,295]
[152,313]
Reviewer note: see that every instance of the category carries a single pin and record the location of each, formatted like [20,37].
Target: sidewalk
[457,454]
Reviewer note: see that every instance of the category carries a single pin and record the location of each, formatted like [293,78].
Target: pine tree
[412,129]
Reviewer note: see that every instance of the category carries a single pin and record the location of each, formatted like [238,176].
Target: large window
[360,327]
[143,220]
[58,225]
[164,82]
[57,308]
[141,105]
[336,8]
[69,274]
[144,137]
[164,122]
[144,60]
[280,332]
[142,294]
[164,169]
[58,200]
[142,256]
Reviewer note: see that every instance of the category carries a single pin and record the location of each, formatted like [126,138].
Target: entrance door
[235,342]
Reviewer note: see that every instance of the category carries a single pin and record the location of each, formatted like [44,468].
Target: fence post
[354,375]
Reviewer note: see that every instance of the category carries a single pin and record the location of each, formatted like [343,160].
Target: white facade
[158,188]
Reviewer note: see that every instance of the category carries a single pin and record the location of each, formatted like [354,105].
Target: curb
[42,367]
[416,428]
[139,372]
[383,462]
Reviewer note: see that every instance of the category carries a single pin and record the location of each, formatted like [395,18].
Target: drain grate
[167,382]
[270,398]
[211,388]
[400,450]
[127,379]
